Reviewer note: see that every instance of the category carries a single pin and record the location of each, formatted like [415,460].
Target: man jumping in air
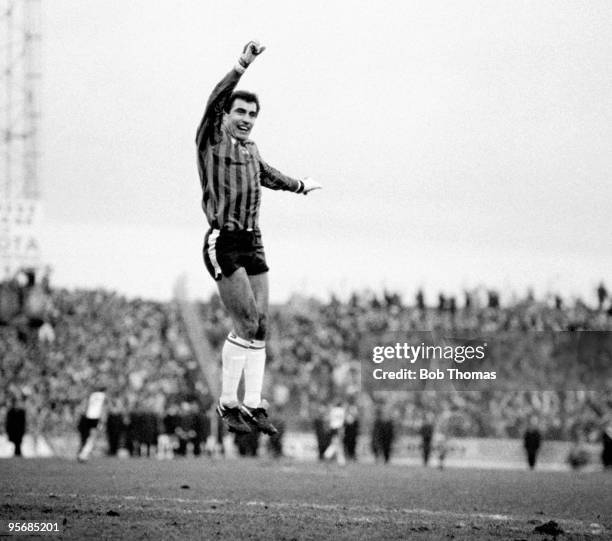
[232,173]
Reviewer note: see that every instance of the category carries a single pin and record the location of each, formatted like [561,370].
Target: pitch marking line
[360,513]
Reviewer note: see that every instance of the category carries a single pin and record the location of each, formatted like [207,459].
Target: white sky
[459,143]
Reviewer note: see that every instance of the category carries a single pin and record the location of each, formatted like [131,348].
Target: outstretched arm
[213,114]
[275,180]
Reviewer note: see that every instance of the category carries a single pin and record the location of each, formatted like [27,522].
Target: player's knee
[249,326]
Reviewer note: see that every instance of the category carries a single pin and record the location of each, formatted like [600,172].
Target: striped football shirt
[232,172]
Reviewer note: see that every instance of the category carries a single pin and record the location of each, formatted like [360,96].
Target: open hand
[310,185]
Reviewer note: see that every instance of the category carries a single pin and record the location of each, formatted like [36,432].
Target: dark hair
[249,97]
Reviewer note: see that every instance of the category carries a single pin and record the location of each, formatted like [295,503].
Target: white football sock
[254,373]
[233,357]
[88,447]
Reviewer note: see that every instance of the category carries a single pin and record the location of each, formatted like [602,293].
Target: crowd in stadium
[317,345]
[139,351]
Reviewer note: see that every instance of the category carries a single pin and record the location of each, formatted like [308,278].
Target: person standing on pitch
[532,440]
[232,173]
[89,421]
[16,424]
[337,417]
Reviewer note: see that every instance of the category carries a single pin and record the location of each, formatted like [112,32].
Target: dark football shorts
[226,251]
[86,425]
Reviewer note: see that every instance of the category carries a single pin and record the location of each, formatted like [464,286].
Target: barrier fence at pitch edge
[492,453]
[496,453]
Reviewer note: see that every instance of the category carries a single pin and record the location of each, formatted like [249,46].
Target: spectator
[383,433]
[275,442]
[193,428]
[351,429]
[427,433]
[441,445]
[420,300]
[602,295]
[186,430]
[167,441]
[151,424]
[10,301]
[16,424]
[136,431]
[468,300]
[441,303]
[115,427]
[322,431]
[532,440]
[202,428]
[247,444]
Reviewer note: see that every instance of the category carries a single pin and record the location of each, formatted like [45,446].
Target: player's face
[241,118]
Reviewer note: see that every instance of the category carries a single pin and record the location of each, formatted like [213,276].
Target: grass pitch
[283,500]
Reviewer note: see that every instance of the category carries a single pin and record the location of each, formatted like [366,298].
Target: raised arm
[213,114]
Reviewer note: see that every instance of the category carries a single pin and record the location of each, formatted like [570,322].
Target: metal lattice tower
[20,193]
[20,58]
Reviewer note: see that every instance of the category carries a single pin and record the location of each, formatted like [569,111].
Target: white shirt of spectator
[336,417]
[94,405]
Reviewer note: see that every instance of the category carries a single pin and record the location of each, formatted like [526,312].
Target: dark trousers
[114,438]
[532,456]
[351,432]
[426,449]
[16,440]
